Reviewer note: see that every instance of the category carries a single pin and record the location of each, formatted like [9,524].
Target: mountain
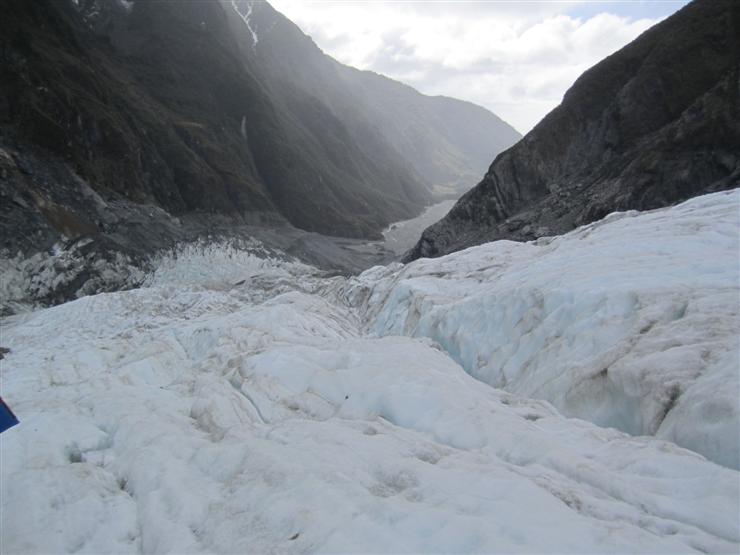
[153,115]
[651,125]
[442,139]
[448,142]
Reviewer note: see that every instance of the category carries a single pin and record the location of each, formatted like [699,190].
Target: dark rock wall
[116,107]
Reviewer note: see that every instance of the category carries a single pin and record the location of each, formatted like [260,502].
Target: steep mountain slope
[344,151]
[446,141]
[180,106]
[127,127]
[449,143]
[156,105]
[653,124]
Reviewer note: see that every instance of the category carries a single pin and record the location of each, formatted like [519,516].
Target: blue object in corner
[7,418]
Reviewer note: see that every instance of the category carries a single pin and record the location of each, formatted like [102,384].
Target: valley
[253,301]
[401,236]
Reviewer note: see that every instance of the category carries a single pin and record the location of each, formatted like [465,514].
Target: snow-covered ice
[244,406]
[630,322]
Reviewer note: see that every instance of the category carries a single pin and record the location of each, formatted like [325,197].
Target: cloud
[515,58]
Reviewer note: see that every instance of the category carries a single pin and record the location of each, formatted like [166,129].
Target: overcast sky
[516,58]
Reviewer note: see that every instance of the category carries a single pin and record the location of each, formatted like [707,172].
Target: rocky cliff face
[653,124]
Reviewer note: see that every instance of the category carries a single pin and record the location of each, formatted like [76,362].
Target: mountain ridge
[653,124]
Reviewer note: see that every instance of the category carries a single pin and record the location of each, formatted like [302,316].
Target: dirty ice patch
[64,271]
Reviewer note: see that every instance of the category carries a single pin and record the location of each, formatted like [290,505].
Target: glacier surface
[244,405]
[630,322]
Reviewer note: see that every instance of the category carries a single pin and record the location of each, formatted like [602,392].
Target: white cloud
[515,58]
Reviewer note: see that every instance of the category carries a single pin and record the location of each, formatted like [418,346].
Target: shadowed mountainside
[126,127]
[180,105]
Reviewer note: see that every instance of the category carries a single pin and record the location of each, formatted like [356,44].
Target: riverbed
[401,236]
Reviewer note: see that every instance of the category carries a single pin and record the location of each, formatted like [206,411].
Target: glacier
[631,322]
[574,394]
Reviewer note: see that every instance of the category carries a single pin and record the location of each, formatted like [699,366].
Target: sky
[515,57]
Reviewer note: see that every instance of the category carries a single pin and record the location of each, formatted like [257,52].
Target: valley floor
[243,404]
[402,236]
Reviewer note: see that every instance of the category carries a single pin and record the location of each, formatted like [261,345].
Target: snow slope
[631,322]
[242,407]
